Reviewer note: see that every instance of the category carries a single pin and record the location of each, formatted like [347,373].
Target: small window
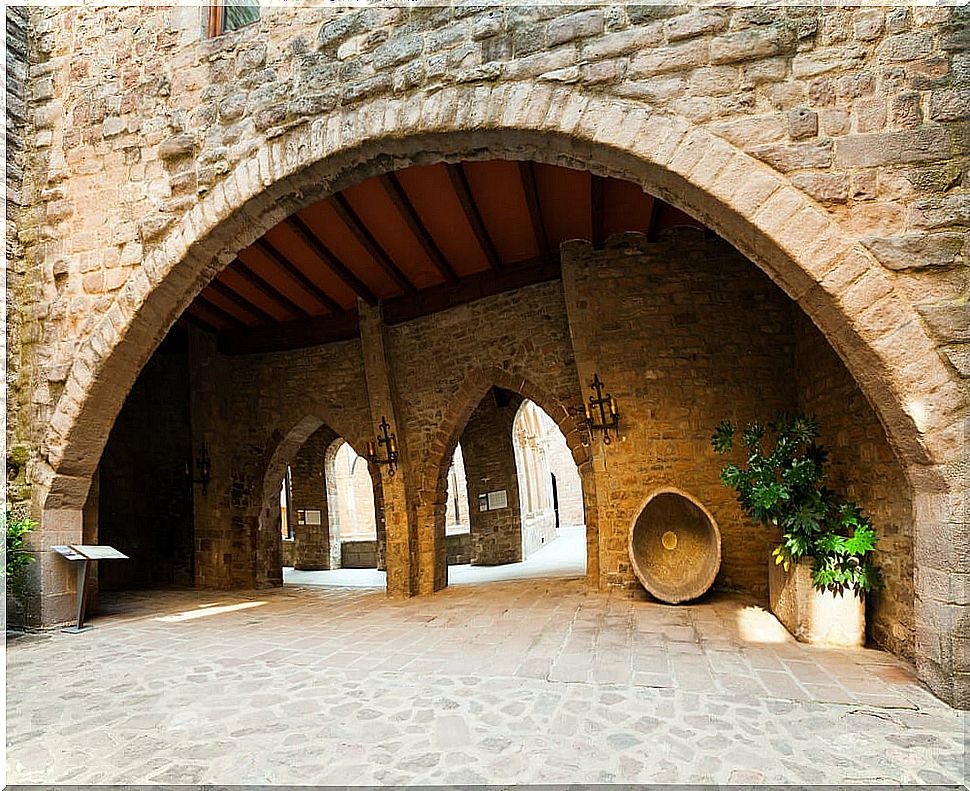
[224,16]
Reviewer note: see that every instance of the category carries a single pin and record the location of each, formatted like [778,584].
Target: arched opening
[777,256]
[550,493]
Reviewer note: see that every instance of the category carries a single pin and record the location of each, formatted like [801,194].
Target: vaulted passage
[465,309]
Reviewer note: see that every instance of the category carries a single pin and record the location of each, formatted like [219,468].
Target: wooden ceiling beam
[528,177]
[288,335]
[282,262]
[221,312]
[471,287]
[596,210]
[407,211]
[238,299]
[190,315]
[330,260]
[349,218]
[459,181]
[266,288]
[655,206]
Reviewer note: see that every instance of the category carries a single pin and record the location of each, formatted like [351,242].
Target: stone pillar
[595,474]
[224,538]
[496,536]
[311,550]
[398,517]
[942,605]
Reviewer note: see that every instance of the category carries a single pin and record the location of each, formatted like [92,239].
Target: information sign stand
[82,555]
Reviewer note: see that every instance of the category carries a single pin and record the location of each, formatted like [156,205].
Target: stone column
[398,517]
[311,548]
[496,536]
[224,538]
[595,474]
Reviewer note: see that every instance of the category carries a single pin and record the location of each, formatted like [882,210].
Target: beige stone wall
[863,467]
[684,333]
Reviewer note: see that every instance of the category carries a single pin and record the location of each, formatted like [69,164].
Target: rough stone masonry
[829,145]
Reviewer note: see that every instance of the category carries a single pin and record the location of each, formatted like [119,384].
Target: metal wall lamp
[601,412]
[389,440]
[203,463]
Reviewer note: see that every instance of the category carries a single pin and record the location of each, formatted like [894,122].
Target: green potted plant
[17,570]
[826,541]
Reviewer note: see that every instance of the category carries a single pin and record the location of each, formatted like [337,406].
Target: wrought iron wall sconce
[203,463]
[388,439]
[601,412]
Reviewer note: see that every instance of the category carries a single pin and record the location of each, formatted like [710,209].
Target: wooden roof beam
[459,181]
[267,289]
[282,262]
[528,176]
[406,209]
[238,299]
[330,260]
[222,313]
[349,218]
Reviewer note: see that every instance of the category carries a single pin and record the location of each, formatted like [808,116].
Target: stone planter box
[821,618]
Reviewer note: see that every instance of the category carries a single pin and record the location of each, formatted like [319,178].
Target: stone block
[802,123]
[923,144]
[824,187]
[752,44]
[952,104]
[948,321]
[177,147]
[798,156]
[678,57]
[569,28]
[918,250]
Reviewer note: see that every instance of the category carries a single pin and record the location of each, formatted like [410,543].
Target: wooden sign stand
[83,555]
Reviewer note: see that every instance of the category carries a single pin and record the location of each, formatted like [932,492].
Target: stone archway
[288,445]
[876,331]
[828,273]
[433,492]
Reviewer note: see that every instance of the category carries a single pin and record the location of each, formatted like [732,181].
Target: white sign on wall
[314,517]
[497,500]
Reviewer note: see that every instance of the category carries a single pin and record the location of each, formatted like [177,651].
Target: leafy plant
[780,484]
[18,558]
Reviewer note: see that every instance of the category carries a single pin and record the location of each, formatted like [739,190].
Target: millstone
[675,548]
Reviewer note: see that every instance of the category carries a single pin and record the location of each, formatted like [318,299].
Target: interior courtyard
[389,347]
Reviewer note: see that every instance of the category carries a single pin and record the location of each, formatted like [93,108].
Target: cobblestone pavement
[536,681]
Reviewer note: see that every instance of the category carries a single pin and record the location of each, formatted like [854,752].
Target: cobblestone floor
[535,681]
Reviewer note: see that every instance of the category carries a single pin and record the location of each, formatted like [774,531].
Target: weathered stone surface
[751,44]
[177,147]
[802,122]
[924,144]
[918,250]
[800,156]
[950,322]
[950,105]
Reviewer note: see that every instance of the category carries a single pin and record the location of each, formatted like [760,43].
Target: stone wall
[458,549]
[863,467]
[311,543]
[519,341]
[486,442]
[144,507]
[255,412]
[684,333]
[358,554]
[568,485]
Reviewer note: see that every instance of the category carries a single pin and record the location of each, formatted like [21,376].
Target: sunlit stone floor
[531,681]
